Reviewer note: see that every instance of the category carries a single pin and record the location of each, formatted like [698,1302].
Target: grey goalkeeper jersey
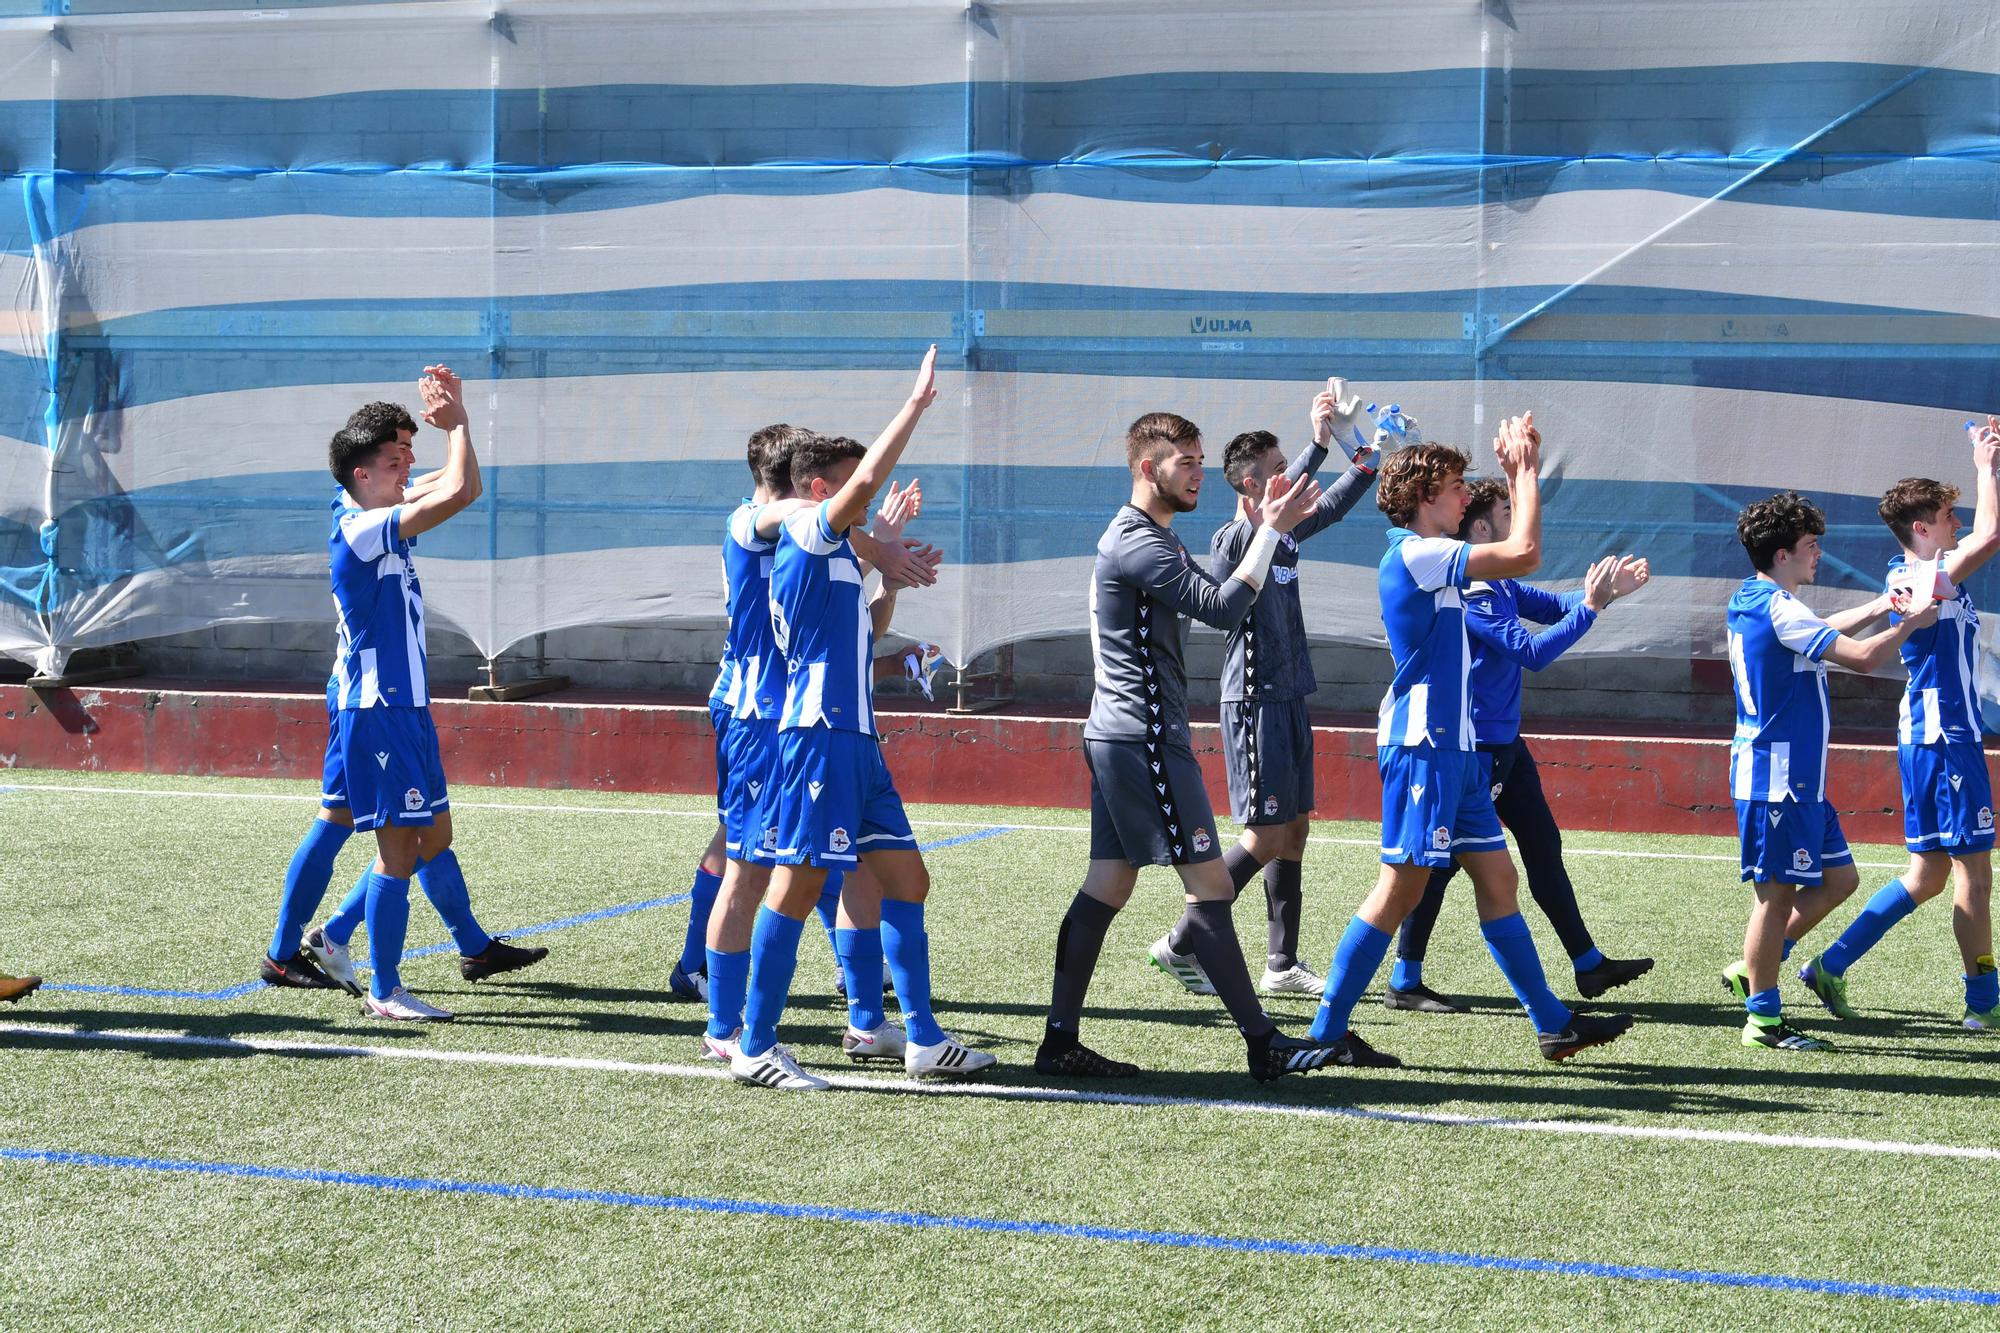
[1144,582]
[1267,656]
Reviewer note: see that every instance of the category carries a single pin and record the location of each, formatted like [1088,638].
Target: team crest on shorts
[1270,806]
[836,841]
[1802,859]
[1441,839]
[1985,816]
[770,840]
[1202,842]
[413,800]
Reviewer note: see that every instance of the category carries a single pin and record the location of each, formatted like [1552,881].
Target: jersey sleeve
[743,528]
[1335,501]
[1435,562]
[1545,607]
[1226,548]
[1799,629]
[1487,621]
[1163,568]
[370,533]
[808,528]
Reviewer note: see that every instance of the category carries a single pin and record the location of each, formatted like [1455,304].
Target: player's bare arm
[1984,539]
[849,506]
[458,486]
[1519,446]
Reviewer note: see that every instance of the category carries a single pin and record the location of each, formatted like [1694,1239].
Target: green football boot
[1736,980]
[1832,990]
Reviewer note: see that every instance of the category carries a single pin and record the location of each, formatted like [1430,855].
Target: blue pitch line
[241,989]
[1179,1240]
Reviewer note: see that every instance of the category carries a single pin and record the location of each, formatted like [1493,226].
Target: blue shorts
[1947,798]
[1436,804]
[835,800]
[747,769]
[718,723]
[1790,842]
[332,770]
[389,767]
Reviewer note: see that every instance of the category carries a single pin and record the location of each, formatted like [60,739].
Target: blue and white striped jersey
[380,659]
[1423,582]
[1776,647]
[1941,702]
[819,617]
[750,682]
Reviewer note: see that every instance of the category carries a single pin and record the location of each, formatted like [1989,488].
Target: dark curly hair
[1487,493]
[1777,524]
[378,417]
[1414,475]
[1914,500]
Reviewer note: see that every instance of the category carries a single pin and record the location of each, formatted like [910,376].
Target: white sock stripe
[1030,1093]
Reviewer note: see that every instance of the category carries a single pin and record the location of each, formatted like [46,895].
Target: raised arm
[772,516]
[1984,539]
[1519,446]
[458,483]
[850,504]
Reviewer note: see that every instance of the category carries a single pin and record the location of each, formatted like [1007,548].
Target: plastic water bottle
[1394,428]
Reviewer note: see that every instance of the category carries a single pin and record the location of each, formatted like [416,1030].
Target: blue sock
[860,954]
[305,883]
[1891,903]
[1982,988]
[1591,957]
[828,908]
[388,913]
[1785,952]
[1765,1004]
[694,948]
[1513,948]
[728,984]
[1356,959]
[353,909]
[908,950]
[774,955]
[444,884]
[1407,974]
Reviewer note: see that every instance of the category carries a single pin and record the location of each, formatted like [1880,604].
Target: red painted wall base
[1641,784]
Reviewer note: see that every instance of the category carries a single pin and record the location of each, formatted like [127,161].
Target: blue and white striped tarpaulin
[1719,246]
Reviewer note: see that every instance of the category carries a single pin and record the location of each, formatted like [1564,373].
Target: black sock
[1242,868]
[1281,903]
[1078,943]
[1212,939]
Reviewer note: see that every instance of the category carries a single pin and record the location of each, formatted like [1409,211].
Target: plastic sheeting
[1717,251]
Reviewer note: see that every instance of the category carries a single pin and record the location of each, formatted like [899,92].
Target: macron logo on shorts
[756,787]
[1416,794]
[382,758]
[1955,780]
[812,789]
[1775,817]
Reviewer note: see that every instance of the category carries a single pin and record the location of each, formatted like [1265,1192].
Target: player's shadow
[159,1030]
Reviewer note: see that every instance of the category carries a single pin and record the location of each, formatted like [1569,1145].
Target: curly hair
[770,455]
[1243,453]
[1777,524]
[1152,435]
[1414,475]
[1487,493]
[377,418]
[1914,500]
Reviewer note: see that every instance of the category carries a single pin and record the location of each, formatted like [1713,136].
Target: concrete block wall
[681,659]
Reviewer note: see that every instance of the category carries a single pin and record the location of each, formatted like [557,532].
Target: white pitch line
[907,1087]
[655,812]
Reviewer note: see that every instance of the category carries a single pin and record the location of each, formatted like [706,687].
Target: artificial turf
[176,893]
